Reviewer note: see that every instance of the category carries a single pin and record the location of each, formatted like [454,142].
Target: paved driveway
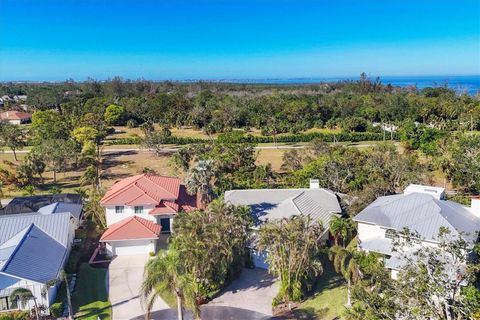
[251,293]
[125,278]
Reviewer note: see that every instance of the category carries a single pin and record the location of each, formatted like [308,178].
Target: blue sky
[217,39]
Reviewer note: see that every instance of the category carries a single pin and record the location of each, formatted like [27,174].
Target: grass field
[272,156]
[329,298]
[90,299]
[116,166]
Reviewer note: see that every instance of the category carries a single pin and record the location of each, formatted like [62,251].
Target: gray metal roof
[55,225]
[59,207]
[37,257]
[30,204]
[269,204]
[421,213]
[377,244]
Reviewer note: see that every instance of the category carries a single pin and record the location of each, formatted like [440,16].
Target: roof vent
[314,184]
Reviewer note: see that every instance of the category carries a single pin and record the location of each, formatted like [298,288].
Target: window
[390,234]
[4,305]
[138,209]
[118,209]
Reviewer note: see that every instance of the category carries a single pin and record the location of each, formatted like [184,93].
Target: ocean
[469,84]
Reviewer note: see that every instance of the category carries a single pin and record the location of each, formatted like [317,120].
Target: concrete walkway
[125,279]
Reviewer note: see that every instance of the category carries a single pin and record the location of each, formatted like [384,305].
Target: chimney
[314,184]
[475,206]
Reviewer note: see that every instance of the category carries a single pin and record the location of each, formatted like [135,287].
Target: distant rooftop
[35,203]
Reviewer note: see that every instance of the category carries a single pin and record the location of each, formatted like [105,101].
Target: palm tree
[24,296]
[200,181]
[340,227]
[164,273]
[345,263]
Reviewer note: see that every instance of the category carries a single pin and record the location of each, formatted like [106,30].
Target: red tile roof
[142,189]
[132,228]
[14,115]
[164,208]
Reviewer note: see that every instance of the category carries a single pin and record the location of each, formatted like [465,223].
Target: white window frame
[119,209]
[140,211]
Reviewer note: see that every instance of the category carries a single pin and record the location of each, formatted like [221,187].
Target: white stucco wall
[128,211]
[131,247]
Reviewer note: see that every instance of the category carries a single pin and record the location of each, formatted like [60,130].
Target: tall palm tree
[200,180]
[164,273]
[24,295]
[340,228]
[345,263]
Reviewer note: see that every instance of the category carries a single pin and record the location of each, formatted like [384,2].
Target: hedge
[300,137]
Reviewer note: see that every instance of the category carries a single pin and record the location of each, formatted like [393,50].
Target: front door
[165,223]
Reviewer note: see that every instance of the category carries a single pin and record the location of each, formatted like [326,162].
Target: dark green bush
[56,309]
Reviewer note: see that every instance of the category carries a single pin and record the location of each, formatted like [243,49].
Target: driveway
[125,278]
[251,293]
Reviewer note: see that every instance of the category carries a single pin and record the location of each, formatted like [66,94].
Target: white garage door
[122,248]
[259,259]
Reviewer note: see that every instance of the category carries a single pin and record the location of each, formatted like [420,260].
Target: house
[20,97]
[271,204]
[47,204]
[33,250]
[16,117]
[421,209]
[141,207]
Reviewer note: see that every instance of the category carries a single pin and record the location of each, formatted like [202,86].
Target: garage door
[122,248]
[259,259]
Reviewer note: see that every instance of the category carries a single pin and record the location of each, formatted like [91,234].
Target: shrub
[132,123]
[56,309]
[55,190]
[73,260]
[16,315]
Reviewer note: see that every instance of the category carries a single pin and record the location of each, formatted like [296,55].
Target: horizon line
[245,79]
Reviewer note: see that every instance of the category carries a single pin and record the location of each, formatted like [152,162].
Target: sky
[230,39]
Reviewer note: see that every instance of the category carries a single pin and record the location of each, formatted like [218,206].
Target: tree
[23,296]
[420,137]
[200,180]
[91,139]
[207,250]
[461,162]
[94,210]
[47,125]
[12,136]
[355,124]
[429,285]
[341,227]
[115,115]
[293,246]
[165,272]
[345,263]
[292,160]
[57,154]
[34,160]
[154,140]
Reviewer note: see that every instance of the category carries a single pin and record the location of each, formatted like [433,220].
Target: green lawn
[90,299]
[329,298]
